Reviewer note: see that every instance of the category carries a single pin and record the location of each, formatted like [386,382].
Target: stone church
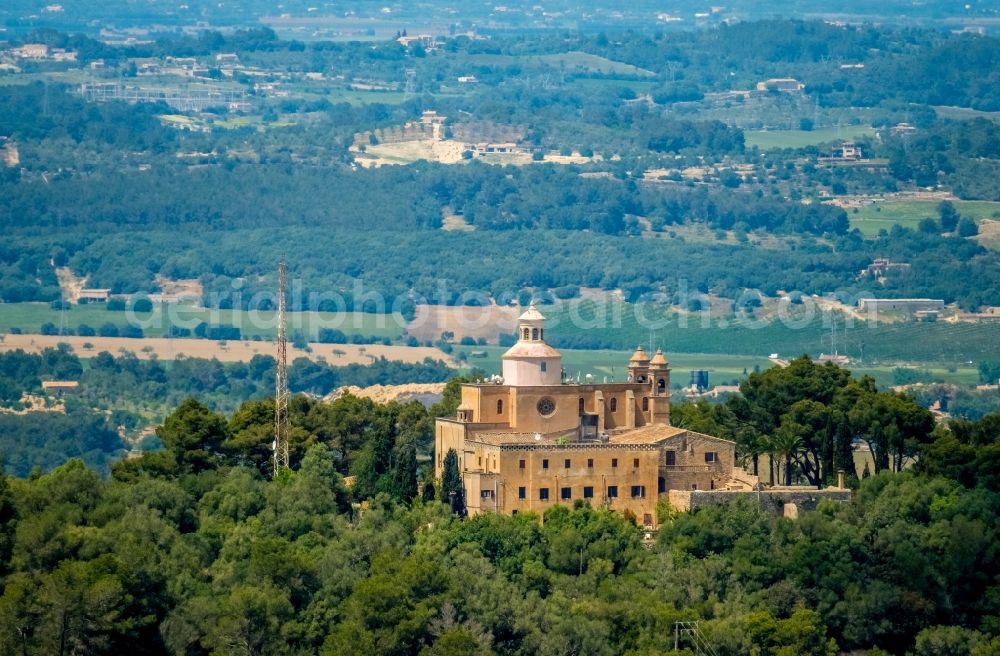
[531,439]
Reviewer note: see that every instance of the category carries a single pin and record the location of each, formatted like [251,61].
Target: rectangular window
[544,366]
[635,463]
[545,463]
[614,462]
[486,494]
[520,464]
[567,463]
[588,492]
[638,491]
[590,463]
[711,456]
[543,493]
[522,493]
[566,493]
[671,458]
[612,491]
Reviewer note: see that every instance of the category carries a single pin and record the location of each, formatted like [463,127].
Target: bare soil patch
[422,392]
[242,351]
[36,403]
[188,290]
[70,284]
[486,322]
[989,234]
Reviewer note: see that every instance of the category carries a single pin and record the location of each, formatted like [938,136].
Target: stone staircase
[741,479]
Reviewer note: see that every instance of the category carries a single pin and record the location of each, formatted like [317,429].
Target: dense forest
[365,20]
[646,170]
[109,221]
[192,549]
[103,185]
[123,393]
[117,182]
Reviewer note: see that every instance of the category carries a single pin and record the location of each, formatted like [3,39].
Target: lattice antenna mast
[281,382]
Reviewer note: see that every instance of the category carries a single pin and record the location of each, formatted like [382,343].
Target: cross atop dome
[639,355]
[531,314]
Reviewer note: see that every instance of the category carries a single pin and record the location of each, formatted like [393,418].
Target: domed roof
[531,350]
[659,358]
[532,314]
[639,355]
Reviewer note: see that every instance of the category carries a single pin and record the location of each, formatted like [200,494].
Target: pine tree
[451,483]
[430,494]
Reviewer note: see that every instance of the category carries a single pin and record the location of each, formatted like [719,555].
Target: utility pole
[410,87]
[281,382]
[62,312]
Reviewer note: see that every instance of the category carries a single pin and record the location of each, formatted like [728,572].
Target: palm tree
[787,443]
[767,446]
[752,446]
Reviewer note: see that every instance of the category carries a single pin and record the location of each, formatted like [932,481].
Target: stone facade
[535,441]
[777,501]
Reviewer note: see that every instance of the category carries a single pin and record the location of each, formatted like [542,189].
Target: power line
[692,632]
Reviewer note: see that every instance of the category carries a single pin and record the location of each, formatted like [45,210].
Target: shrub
[108,330]
[142,305]
[967,227]
[332,336]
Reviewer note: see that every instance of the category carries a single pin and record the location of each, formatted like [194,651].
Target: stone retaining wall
[777,501]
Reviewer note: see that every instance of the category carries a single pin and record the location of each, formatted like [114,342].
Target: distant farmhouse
[94,295]
[905,305]
[60,387]
[882,265]
[781,84]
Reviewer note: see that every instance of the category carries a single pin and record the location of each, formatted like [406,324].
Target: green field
[776,139]
[723,369]
[878,344]
[609,85]
[965,113]
[71,77]
[612,365]
[570,62]
[593,63]
[882,216]
[940,345]
[29,317]
[361,97]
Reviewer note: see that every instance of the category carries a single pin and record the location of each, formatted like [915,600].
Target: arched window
[534,333]
[499,406]
[525,334]
[614,405]
[645,403]
[581,406]
[661,384]
[541,334]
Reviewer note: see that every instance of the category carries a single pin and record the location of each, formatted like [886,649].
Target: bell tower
[638,366]
[532,362]
[659,380]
